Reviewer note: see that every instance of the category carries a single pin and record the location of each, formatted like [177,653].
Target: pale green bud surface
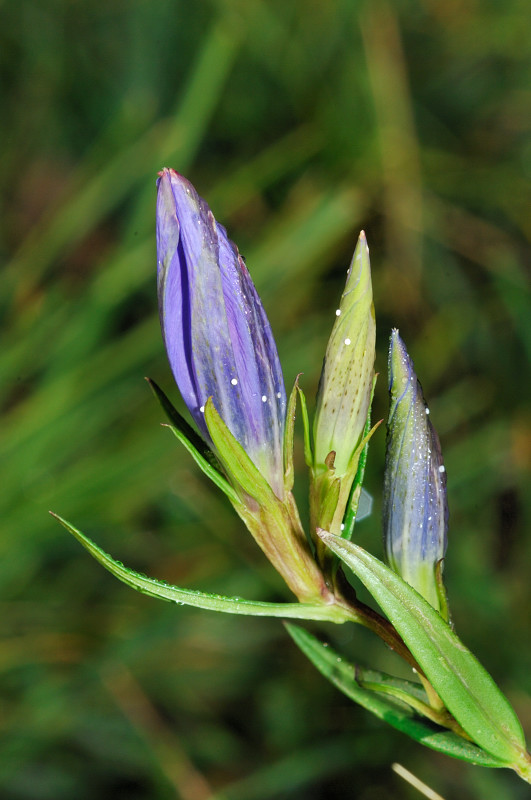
[345,386]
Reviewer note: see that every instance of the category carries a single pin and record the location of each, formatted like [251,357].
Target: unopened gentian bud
[217,336]
[415,512]
[225,362]
[344,394]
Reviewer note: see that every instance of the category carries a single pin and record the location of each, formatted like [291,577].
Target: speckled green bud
[343,400]
[346,380]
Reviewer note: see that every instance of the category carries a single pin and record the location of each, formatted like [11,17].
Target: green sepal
[344,676]
[329,492]
[289,432]
[444,608]
[308,455]
[355,493]
[237,463]
[379,682]
[327,489]
[384,682]
[189,597]
[178,421]
[466,689]
[210,471]
[353,466]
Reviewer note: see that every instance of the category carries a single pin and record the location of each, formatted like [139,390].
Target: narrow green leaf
[416,690]
[289,432]
[422,707]
[189,597]
[343,675]
[200,452]
[355,493]
[308,455]
[210,471]
[444,607]
[467,690]
[236,461]
[179,422]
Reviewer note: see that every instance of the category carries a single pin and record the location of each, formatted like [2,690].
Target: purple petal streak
[415,503]
[217,336]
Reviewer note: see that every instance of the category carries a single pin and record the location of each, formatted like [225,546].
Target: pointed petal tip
[168,174]
[163,175]
[397,347]
[395,336]
[400,365]
[169,171]
[362,242]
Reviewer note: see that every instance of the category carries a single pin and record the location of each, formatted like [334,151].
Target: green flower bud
[344,396]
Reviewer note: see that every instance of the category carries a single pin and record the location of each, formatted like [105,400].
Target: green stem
[363,614]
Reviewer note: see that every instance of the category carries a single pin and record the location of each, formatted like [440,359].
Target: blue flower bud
[217,336]
[225,362]
[415,513]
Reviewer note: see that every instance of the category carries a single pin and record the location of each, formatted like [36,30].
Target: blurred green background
[300,123]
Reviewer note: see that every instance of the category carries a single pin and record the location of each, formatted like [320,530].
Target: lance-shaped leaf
[190,597]
[346,677]
[346,380]
[217,336]
[202,455]
[466,689]
[415,510]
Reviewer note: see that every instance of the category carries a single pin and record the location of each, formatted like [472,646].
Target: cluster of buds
[225,362]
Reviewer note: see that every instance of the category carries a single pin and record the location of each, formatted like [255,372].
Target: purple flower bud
[217,336]
[415,510]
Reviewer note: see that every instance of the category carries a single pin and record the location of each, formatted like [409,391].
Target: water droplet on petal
[234,381]
[347,341]
[338,312]
[202,409]
[264,398]
[442,468]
